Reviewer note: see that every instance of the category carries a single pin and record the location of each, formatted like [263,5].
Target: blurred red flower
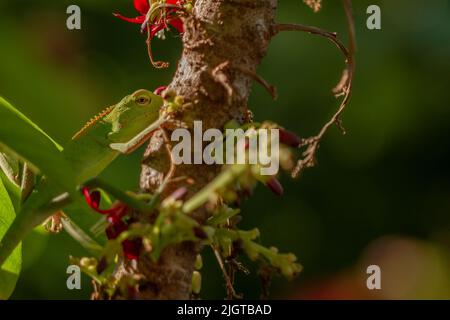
[130,247]
[156,17]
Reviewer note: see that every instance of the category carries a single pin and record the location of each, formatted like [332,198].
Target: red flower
[158,91]
[155,18]
[116,225]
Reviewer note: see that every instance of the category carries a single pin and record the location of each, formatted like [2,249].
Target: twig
[231,293]
[156,64]
[344,86]
[272,90]
[220,77]
[332,36]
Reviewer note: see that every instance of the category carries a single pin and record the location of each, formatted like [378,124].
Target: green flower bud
[196,282]
[198,262]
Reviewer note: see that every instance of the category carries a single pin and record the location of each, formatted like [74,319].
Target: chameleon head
[134,114]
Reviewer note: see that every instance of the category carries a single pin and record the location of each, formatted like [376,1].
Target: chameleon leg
[134,202]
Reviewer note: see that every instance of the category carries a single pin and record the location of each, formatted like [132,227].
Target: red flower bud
[275,186]
[92,198]
[158,91]
[155,20]
[289,138]
[132,248]
[114,230]
[245,192]
[160,20]
[142,6]
[117,212]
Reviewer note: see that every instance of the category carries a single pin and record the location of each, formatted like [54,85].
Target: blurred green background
[380,195]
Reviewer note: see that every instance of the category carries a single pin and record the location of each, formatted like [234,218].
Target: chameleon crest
[129,116]
[91,122]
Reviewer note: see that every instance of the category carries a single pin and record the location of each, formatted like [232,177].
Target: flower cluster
[116,224]
[155,17]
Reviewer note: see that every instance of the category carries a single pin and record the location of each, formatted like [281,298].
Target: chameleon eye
[143,100]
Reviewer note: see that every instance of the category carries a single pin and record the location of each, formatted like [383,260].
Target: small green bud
[172,107]
[291,257]
[198,262]
[88,262]
[287,271]
[179,100]
[229,196]
[227,246]
[92,268]
[188,7]
[196,282]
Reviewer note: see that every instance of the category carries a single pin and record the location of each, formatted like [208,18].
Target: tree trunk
[224,42]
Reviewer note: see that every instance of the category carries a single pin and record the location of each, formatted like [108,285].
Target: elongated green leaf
[82,237]
[10,166]
[9,272]
[19,135]
[13,190]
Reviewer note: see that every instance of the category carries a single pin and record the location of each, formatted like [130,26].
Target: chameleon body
[119,129]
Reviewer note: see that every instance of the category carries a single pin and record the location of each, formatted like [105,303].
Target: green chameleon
[120,129]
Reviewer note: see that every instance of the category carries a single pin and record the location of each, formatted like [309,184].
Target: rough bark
[224,42]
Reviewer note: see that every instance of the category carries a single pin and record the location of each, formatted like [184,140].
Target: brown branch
[332,36]
[231,292]
[271,89]
[220,77]
[344,86]
[206,42]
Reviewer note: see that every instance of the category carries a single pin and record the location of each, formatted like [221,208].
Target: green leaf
[13,190]
[10,166]
[92,223]
[20,136]
[9,272]
[82,237]
[222,215]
